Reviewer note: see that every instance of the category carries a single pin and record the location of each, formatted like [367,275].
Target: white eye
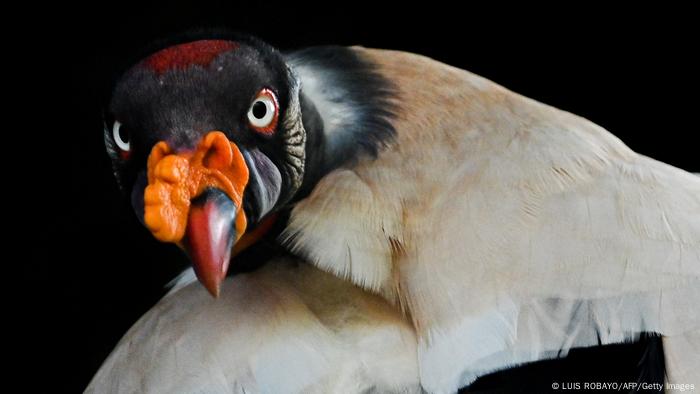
[262,114]
[121,136]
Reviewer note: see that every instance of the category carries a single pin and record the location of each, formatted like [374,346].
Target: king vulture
[388,223]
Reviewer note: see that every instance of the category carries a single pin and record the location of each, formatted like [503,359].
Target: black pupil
[259,109]
[123,134]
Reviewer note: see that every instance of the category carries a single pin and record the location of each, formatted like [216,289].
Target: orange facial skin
[250,238]
[174,179]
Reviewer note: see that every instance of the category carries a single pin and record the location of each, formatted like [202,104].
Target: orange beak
[194,199]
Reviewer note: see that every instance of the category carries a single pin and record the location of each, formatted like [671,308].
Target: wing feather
[287,328]
[525,231]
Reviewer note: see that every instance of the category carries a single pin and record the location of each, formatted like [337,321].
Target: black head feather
[345,108]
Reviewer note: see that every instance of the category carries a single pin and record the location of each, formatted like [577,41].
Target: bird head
[207,138]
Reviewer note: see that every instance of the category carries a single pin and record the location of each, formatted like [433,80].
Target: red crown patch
[185,55]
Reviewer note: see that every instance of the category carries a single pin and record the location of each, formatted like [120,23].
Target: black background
[633,71]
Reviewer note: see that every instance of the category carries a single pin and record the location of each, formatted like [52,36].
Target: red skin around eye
[269,130]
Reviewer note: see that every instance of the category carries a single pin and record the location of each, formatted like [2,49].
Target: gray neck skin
[347,109]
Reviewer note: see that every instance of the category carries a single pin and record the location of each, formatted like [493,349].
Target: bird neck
[346,108]
[317,160]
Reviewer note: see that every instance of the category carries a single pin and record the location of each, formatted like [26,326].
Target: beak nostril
[217,151]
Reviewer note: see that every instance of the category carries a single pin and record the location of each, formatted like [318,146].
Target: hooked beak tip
[210,236]
[214,289]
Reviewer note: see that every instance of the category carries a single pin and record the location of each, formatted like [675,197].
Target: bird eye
[121,136]
[263,112]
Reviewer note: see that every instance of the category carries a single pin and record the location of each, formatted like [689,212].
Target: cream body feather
[506,231]
[509,231]
[286,328]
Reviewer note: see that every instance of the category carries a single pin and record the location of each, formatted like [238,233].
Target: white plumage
[510,231]
[505,230]
[286,328]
